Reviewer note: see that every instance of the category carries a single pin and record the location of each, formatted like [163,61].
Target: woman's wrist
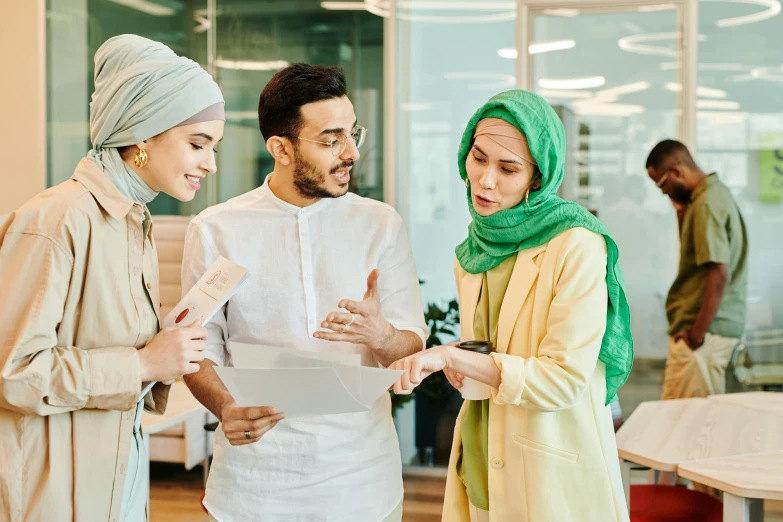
[478,366]
[450,356]
[459,360]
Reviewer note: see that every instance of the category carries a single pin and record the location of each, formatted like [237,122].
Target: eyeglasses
[664,178]
[340,141]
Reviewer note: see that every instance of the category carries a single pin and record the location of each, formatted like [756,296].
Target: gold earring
[527,197]
[141,158]
[466,182]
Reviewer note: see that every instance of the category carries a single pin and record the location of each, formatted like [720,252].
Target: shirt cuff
[417,331]
[157,399]
[115,378]
[512,378]
[216,353]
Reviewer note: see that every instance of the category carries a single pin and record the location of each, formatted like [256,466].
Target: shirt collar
[147,223]
[103,190]
[288,207]
[704,185]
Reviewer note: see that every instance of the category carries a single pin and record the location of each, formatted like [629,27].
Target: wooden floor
[175,496]
[176,493]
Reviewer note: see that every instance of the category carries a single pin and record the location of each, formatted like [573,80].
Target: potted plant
[436,400]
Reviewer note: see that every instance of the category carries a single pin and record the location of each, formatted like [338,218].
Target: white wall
[445,73]
[22,102]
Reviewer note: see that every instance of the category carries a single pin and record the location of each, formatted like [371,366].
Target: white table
[770,402]
[663,435]
[746,480]
[181,407]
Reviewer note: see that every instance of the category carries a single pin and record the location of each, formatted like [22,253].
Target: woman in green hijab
[539,279]
[79,338]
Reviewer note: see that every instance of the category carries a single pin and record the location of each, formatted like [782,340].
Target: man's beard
[679,193]
[310,182]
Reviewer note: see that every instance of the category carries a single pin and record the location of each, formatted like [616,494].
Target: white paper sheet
[208,295]
[300,383]
[245,355]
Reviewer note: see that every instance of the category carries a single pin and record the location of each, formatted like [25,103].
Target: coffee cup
[473,390]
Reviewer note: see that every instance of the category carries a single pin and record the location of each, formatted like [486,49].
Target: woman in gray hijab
[80,301]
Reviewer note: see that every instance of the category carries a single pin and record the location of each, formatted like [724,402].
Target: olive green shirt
[713,231]
[473,465]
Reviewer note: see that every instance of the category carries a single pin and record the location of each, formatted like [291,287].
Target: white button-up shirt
[302,262]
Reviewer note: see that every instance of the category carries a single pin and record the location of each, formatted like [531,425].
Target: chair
[169,233]
[210,427]
[757,364]
[654,503]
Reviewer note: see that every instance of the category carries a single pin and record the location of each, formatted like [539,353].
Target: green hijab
[493,238]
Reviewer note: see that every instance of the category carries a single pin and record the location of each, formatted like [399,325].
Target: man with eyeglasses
[329,271]
[707,301]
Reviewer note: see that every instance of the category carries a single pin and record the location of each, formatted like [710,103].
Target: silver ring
[345,326]
[247,435]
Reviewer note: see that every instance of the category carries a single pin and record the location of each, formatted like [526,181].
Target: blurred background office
[622,75]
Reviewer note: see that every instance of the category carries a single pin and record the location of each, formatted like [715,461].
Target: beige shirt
[79,295]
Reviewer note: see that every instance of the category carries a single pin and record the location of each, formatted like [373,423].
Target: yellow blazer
[552,451]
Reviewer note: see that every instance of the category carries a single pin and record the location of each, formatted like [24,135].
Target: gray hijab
[142,89]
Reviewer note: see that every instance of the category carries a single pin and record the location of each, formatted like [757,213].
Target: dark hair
[666,150]
[279,106]
[537,176]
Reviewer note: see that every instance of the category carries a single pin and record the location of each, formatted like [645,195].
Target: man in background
[706,304]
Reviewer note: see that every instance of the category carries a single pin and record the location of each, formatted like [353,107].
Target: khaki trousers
[697,373]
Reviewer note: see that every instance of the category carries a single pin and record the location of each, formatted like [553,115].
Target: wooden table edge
[169,423]
[765,494]
[652,464]
[728,488]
